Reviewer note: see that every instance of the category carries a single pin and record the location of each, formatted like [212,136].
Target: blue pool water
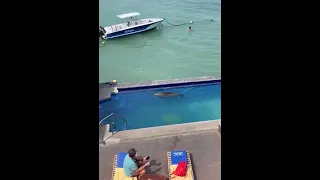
[142,109]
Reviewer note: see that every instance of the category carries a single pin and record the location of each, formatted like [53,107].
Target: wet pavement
[204,148]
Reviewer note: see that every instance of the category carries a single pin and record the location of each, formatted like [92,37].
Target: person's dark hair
[132,152]
[189,27]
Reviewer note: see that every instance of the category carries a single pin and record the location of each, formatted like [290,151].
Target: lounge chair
[174,157]
[118,172]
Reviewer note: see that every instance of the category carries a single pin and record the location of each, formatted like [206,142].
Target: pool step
[104,133]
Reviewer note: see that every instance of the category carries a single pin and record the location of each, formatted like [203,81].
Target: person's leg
[141,173]
[141,170]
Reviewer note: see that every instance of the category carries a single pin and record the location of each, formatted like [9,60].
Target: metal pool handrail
[113,130]
[106,118]
[125,121]
[112,115]
[100,107]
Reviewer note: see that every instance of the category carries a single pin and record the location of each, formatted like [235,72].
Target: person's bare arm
[137,171]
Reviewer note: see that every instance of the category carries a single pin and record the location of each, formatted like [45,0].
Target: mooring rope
[182,23]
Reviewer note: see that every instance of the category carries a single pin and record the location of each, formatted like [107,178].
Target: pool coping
[106,92]
[161,131]
[168,82]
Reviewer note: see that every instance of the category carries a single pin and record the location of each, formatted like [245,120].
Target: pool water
[142,109]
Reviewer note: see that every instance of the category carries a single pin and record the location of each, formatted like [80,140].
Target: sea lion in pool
[166,94]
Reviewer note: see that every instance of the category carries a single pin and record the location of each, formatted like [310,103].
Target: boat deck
[123,26]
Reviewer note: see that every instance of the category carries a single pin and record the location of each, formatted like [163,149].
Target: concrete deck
[162,131]
[204,147]
[106,90]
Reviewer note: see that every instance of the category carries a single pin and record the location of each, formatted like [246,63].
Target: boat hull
[133,30]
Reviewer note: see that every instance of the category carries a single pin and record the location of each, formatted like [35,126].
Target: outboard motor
[101,31]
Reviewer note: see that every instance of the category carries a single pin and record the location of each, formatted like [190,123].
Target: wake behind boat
[131,25]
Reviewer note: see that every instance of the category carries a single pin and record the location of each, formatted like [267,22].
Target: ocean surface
[169,52]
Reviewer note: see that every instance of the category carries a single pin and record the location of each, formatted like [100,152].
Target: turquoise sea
[169,52]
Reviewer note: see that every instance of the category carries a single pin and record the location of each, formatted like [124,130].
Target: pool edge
[156,84]
[160,131]
[168,82]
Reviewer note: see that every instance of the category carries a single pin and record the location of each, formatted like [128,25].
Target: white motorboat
[131,25]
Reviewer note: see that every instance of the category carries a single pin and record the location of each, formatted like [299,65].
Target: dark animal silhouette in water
[166,94]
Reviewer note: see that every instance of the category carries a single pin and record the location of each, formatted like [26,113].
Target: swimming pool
[142,109]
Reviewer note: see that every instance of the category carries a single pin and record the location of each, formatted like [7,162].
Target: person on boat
[133,165]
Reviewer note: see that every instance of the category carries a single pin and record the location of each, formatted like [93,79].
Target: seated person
[133,165]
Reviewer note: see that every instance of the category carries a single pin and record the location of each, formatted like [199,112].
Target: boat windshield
[131,21]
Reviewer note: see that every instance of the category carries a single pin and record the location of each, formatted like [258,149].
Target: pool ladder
[111,118]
